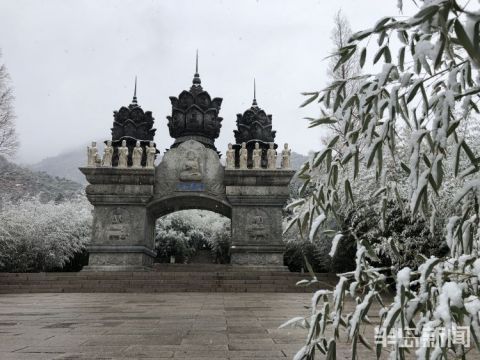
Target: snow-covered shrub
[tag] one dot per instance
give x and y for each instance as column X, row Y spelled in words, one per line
column 36, row 236
column 410, row 123
column 299, row 250
column 412, row 235
column 170, row 242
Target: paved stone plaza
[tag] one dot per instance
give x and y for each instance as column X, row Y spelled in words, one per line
column 170, row 325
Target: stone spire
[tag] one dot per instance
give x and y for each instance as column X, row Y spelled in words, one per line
column 134, row 100
column 254, row 102
column 196, row 78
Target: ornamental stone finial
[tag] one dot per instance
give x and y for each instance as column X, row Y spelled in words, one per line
column 107, row 154
column 137, row 155
column 151, row 151
column 92, row 154
column 286, row 152
column 230, row 161
column 271, row 157
column 243, row 156
column 257, row 156
column 123, row 155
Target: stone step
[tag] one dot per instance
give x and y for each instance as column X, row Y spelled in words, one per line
column 178, row 278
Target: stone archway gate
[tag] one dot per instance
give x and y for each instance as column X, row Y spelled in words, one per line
column 127, row 202
column 128, row 193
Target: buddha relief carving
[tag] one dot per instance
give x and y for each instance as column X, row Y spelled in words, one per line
column 191, row 170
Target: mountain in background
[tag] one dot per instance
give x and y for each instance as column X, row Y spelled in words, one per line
column 66, row 164
column 17, row 182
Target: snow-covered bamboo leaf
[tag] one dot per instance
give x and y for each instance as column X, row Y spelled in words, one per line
column 401, row 58
column 290, row 224
column 321, row 121
column 292, row 321
column 344, row 57
column 309, row 100
column 303, row 282
column 363, row 55
column 469, row 153
column 379, row 54
column 294, row 204
column 348, row 191
column 316, row 225
column 466, row 42
column 413, row 91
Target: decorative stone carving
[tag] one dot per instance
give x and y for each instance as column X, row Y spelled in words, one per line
column 191, row 168
column 151, row 152
column 137, row 156
column 271, row 157
column 132, row 121
column 243, row 156
column 286, row 152
column 107, row 154
column 92, row 154
column 132, row 124
column 257, row 156
column 254, row 124
column 257, row 227
column 123, row 155
column 195, row 115
column 230, row 155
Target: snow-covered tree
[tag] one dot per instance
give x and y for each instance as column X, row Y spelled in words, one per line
column 413, row 117
column 8, row 136
column 182, row 233
column 36, row 236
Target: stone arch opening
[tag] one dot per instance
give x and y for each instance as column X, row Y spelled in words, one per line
column 169, row 204
column 193, row 236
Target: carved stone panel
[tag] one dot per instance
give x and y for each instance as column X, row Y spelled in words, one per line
column 119, row 225
column 190, row 167
column 257, row 226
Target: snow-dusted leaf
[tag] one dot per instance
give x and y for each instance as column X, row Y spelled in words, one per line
column 293, row 321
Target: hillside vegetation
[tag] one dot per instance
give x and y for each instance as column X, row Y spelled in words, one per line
column 17, row 182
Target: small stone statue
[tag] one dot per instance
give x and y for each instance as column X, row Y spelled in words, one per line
column 92, row 154
column 123, row 155
column 243, row 156
column 271, row 157
column 286, row 157
column 107, row 154
column 257, row 156
column 137, row 155
column 151, row 151
column 230, row 161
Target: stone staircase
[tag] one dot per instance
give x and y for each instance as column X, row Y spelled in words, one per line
column 164, row 278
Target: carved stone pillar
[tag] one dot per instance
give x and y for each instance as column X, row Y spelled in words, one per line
column 122, row 233
column 257, row 198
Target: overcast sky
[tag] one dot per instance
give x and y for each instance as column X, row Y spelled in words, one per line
column 73, row 62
